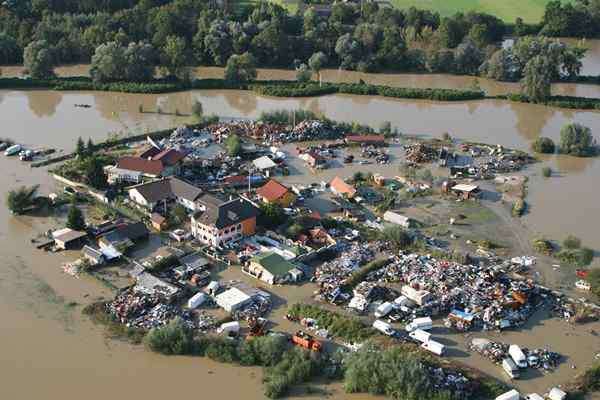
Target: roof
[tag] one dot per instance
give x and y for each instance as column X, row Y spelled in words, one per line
column 149, row 167
column 91, row 252
column 365, row 138
column 169, row 156
column 150, row 284
column 194, row 261
column 223, row 214
column 157, row 218
column 272, row 190
column 274, row 263
column 396, row 218
column 133, row 231
column 340, row 187
column 164, row 188
column 264, row 162
column 66, row 235
column 461, row 187
column 232, row 296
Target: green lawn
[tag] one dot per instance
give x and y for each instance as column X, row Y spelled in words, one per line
column 508, row 10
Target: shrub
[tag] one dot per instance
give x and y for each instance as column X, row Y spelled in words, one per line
column 398, row 237
column 233, row 145
column 577, row 140
column 21, row 199
column 358, row 275
column 296, row 366
column 572, row 242
column 518, row 207
column 175, row 338
column 543, row 145
column 543, row 246
column 265, row 351
column 546, row 172
column 222, row 350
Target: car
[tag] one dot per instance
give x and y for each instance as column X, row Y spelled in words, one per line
column 70, row 191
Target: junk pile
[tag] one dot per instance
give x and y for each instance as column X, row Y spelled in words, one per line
column 144, row 311
column 498, row 351
column 311, row 130
column 418, row 153
column 378, row 154
column 452, row 381
column 477, row 296
column 257, row 308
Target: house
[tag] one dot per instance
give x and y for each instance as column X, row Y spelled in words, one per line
column 219, row 222
column 270, row 267
column 158, row 222
column 67, row 238
column 274, row 192
column 151, row 164
column 92, row 255
column 466, row 191
column 123, row 236
column 372, row 140
column 397, row 219
column 152, row 194
column 315, row 160
column 265, row 165
column 340, row 188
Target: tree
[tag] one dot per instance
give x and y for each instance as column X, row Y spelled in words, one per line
column 10, row 53
column 233, row 145
column 80, row 147
column 179, row 214
column 175, row 338
column 316, row 62
column 19, row 200
column 271, row 215
column 499, row 66
column 303, row 74
column 546, row 172
column 398, row 237
column 537, row 80
column 75, row 219
column 577, row 140
column 90, row 147
column 174, row 56
column 240, row 68
column 108, row 62
column 38, row 60
column 543, row 145
column 467, row 58
column 197, row 111
column 572, row 242
column 94, row 173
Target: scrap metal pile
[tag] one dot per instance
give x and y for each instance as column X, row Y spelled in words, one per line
column 498, row 351
column 144, row 311
column 419, row 153
column 257, row 308
column 485, row 292
column 452, row 381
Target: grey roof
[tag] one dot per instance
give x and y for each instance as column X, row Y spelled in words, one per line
column 166, row 188
column 93, row 253
column 223, row 214
column 194, row 261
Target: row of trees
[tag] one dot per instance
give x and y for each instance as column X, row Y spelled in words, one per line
column 575, row 139
column 127, row 41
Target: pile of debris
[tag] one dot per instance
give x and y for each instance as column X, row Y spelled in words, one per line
column 451, row 381
column 418, row 153
column 311, row 130
column 498, row 351
column 259, row 306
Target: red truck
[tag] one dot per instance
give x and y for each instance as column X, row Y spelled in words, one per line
column 307, row 341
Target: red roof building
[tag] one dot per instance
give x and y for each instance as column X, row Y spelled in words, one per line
column 275, row 192
column 366, row 139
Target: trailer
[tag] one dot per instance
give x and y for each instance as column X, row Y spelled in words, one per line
column 384, row 309
column 402, row 301
column 434, row 347
column 384, row 327
column 510, row 368
column 420, row 335
column 196, row 300
column 517, row 355
column 510, row 395
column 424, row 323
column 229, row 328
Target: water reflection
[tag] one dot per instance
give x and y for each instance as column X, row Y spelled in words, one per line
column 43, row 105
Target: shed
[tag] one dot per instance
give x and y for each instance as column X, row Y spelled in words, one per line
column 232, row 299
column 158, row 221
column 557, row 394
column 93, row 255
column 265, row 165
column 466, row 191
column 397, row 219
column 270, row 267
column 68, row 238
column 196, row 300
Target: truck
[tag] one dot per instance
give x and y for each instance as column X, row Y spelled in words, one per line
column 517, row 355
column 384, row 309
column 510, row 368
column 229, row 328
column 434, row 347
column 305, row 340
column 510, row 395
column 424, row 323
column 384, row 327
column 420, row 335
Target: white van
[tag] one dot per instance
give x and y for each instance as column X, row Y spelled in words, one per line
column 434, row 347
column 424, row 323
column 384, row 309
column 384, row 327
column 517, row 355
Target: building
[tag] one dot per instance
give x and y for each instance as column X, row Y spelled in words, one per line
column 152, row 194
column 274, row 192
column 219, row 222
column 265, row 165
column 397, row 219
column 67, row 238
column 233, row 299
column 150, row 284
column 270, row 267
column 123, row 236
column 373, row 140
column 466, row 191
column 315, row 160
column 340, row 188
column 92, row 255
column 151, row 164
column 158, row 222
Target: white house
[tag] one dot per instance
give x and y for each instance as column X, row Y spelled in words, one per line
column 151, row 194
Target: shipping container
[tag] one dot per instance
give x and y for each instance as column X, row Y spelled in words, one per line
column 383, row 310
column 517, row 355
column 510, row 368
column 420, row 335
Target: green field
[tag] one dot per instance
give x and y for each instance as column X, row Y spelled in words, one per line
column 508, row 10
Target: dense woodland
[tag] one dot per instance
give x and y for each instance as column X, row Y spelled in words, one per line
column 126, row 39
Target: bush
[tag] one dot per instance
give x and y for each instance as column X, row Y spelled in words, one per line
column 233, row 145
column 518, row 208
column 175, row 338
column 398, row 237
column 98, row 314
column 287, row 117
column 296, row 366
column 358, row 275
column 222, row 350
column 572, row 242
column 576, row 140
column 543, row 145
column 543, row 246
column 265, row 351
column 20, row 200
column 546, row 172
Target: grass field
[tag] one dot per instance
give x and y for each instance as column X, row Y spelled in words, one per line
column 508, row 10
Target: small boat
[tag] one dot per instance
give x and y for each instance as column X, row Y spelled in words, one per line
column 83, row 105
column 12, row 150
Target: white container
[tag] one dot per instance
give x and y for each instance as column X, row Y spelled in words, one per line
column 196, row 300
column 424, row 323
column 384, row 309
column 510, row 368
column 557, row 394
column 533, row 396
column 402, row 301
column 510, row 395
column 434, row 347
column 420, row 335
column 229, row 328
column 517, row 355
column 383, row 327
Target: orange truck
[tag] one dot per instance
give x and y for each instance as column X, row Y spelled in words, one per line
column 307, row 341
